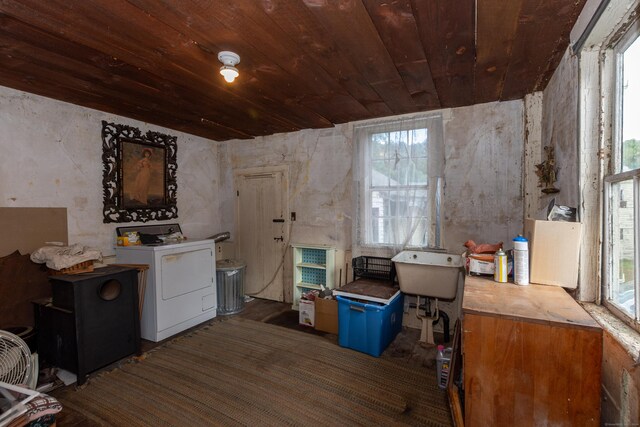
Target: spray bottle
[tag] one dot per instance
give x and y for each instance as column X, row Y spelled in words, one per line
column 520, row 261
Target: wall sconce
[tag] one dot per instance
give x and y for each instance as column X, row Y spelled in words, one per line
column 547, row 171
column 228, row 69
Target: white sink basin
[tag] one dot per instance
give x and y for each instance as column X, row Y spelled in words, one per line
column 429, row 274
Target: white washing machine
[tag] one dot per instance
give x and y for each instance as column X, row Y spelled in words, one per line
column 181, row 285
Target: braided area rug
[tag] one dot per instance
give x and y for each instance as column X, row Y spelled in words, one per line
column 243, row 372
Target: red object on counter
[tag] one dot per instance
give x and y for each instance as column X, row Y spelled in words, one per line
column 483, row 248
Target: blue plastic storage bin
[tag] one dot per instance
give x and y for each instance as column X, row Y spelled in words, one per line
column 368, row 327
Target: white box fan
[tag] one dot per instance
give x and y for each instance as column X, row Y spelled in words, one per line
column 16, row 363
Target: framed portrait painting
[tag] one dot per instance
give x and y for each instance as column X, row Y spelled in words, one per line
column 139, row 176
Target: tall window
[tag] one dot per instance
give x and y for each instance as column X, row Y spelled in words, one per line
column 400, row 170
column 622, row 188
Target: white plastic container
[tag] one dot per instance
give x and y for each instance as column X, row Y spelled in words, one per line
column 443, row 361
column 520, row 261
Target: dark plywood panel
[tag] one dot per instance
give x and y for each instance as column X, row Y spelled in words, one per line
column 305, row 64
column 101, row 74
column 398, row 29
column 349, row 22
column 182, row 52
column 316, row 42
column 447, row 32
column 158, row 49
column 541, row 39
column 497, row 23
column 211, row 29
column 272, row 53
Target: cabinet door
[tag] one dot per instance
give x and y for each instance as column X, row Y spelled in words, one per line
column 525, row 373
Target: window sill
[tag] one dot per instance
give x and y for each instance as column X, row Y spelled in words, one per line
column 628, row 337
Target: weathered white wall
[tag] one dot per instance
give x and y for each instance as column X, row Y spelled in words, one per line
column 483, row 179
column 51, row 156
column 319, row 162
column 532, row 203
column 483, row 174
column 560, row 128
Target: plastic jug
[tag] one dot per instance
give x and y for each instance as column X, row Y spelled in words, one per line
column 443, row 361
column 520, row 261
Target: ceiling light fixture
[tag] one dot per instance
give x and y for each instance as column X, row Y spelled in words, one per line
column 228, row 69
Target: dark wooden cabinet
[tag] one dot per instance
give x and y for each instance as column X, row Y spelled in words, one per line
column 91, row 321
column 531, row 354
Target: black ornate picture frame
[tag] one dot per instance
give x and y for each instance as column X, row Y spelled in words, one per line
column 140, row 174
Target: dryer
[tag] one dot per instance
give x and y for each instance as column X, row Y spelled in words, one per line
column 181, row 285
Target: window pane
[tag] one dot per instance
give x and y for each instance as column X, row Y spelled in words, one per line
column 390, row 203
column 419, row 236
column 398, row 200
column 631, row 108
column 394, row 138
column 404, row 171
column 384, row 231
column 399, row 144
column 621, row 244
column 378, row 208
column 419, row 143
column 419, row 172
column 379, row 145
column 382, row 173
column 419, row 203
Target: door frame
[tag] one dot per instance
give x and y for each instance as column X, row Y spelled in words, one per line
column 260, row 170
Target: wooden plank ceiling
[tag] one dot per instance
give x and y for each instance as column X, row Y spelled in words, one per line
column 304, row 63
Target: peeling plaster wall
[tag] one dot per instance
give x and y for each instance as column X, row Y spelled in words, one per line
column 483, row 178
column 319, row 162
column 560, row 128
column 52, row 157
column 483, row 174
column 620, row 374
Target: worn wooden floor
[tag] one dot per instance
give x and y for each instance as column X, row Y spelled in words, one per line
column 405, row 349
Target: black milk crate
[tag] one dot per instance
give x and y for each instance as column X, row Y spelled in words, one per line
column 372, row 267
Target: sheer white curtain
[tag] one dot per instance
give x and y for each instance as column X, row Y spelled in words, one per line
column 398, row 176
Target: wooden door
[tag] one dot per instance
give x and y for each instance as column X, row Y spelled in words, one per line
column 262, row 238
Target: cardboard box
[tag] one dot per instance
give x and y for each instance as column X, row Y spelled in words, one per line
column 554, row 250
column 306, row 310
column 478, row 266
column 327, row 315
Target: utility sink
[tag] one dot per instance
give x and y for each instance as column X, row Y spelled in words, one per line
column 428, row 274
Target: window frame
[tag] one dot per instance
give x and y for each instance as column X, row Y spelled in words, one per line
column 432, row 216
column 612, row 66
column 607, row 301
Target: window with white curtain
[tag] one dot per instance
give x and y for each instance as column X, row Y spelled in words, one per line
column 622, row 185
column 399, row 170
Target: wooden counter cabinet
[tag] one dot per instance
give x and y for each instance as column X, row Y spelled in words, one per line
column 532, row 356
